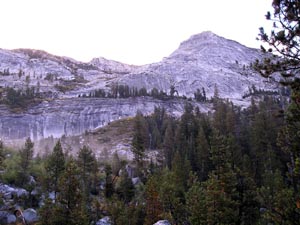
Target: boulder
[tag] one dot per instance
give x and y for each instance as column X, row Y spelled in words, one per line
column 30, row 215
column 7, row 217
column 162, row 222
column 104, row 221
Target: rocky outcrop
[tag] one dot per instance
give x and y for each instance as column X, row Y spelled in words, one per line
column 30, row 215
column 8, row 193
column 74, row 116
column 111, row 66
column 104, row 221
column 162, row 222
column 205, row 61
column 6, row 217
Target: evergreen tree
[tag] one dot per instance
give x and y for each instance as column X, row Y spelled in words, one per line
column 116, row 164
column 154, row 207
column 278, row 201
column 172, row 198
column 70, row 207
column 126, row 188
column 202, row 155
column 87, row 163
column 248, row 196
column 284, row 39
column 55, row 166
column 168, row 145
column 221, row 187
column 172, row 91
column 2, row 155
column 26, row 160
column 109, row 182
column 196, row 204
column 139, row 141
column 289, row 139
column 46, row 213
column 186, row 134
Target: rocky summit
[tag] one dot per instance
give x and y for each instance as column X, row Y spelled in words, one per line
column 204, row 62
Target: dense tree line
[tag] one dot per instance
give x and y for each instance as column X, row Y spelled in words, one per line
column 125, row 91
column 229, row 166
column 224, row 168
column 20, row 99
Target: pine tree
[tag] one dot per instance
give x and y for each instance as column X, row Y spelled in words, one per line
column 168, row 145
column 172, row 198
column 87, row 163
column 196, row 204
column 70, row 205
column 289, row 139
column 248, row 196
column 116, row 164
column 154, row 207
column 202, row 155
column 46, row 213
column 2, row 155
column 139, row 141
column 26, row 160
column 109, row 182
column 186, row 134
column 278, row 200
column 55, row 166
column 126, row 188
column 284, row 40
column 221, row 187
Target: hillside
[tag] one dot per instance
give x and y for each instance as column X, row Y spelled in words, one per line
column 204, row 63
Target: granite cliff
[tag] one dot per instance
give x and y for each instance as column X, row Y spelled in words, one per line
column 205, row 61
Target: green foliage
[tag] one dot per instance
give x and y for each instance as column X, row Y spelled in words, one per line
column 11, row 164
column 278, row 201
column 139, row 140
column 109, row 182
column 18, row 165
column 70, row 198
column 88, row 167
column 283, row 39
column 125, row 189
column 200, row 96
column 21, row 99
column 122, row 213
column 196, row 204
column 231, row 166
column 154, row 207
column 55, row 166
column 2, row 155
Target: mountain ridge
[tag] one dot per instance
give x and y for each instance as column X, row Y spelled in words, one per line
column 205, row 62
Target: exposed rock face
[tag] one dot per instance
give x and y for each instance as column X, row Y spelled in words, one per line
column 203, row 61
column 112, row 66
column 75, row 116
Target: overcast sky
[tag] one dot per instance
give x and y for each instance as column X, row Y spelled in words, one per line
column 131, row 31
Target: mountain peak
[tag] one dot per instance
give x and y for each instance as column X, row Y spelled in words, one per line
column 203, row 35
column 202, row 39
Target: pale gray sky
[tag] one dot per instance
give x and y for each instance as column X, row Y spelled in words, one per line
column 131, row 31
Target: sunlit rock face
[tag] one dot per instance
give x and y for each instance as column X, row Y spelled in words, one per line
column 75, row 116
column 205, row 61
